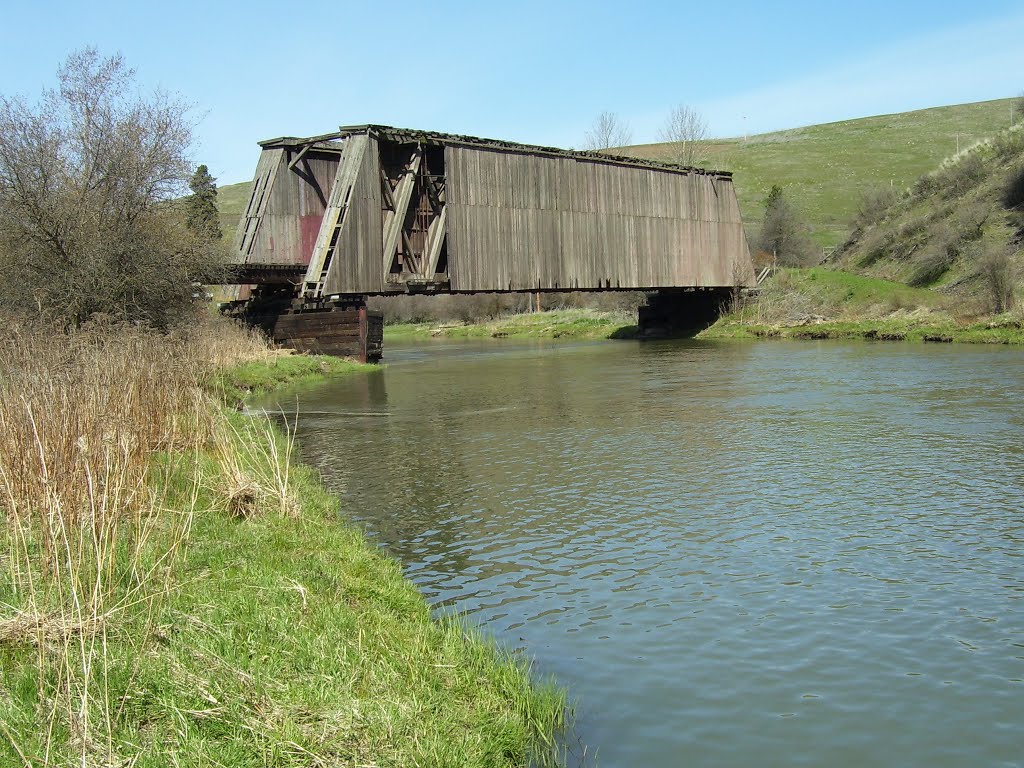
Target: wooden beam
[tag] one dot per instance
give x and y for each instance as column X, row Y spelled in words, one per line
column 435, row 237
column 298, row 158
column 385, row 190
column 334, row 216
column 394, row 220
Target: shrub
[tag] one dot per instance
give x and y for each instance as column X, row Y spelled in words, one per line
column 910, row 236
column 874, row 206
column 932, row 265
column 86, row 176
column 1008, row 145
column 961, row 176
column 969, row 221
column 873, row 248
column 926, row 185
column 1013, row 193
column 947, row 241
column 998, row 275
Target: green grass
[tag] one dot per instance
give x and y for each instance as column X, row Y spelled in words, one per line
column 823, row 303
column 835, row 290
column 231, row 202
column 878, row 329
column 292, row 641
column 284, row 639
column 237, row 383
column 554, row 324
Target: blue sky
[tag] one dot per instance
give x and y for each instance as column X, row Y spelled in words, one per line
column 536, row 72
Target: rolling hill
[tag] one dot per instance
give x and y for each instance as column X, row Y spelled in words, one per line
column 823, row 169
column 953, row 228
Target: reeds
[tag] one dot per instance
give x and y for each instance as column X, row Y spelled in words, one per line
column 276, row 641
column 101, row 430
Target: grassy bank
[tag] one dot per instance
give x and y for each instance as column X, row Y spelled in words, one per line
column 175, row 591
column 555, row 324
column 253, row 377
column 824, row 303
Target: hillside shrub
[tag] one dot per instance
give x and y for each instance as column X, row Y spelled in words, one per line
column 1008, row 145
column 931, row 265
column 969, row 221
column 926, row 186
column 874, row 206
column 998, row 275
column 908, row 238
column 947, row 241
column 873, row 248
column 961, row 176
column 1013, row 193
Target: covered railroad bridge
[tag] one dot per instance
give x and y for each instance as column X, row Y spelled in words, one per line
column 373, row 210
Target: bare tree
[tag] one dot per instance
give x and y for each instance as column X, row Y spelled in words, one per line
column 607, row 131
column 86, row 180
column 685, row 132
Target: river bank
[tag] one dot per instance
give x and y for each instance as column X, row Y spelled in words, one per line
column 816, row 303
column 185, row 592
column 552, row 324
column 822, row 303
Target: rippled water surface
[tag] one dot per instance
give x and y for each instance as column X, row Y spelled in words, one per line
column 735, row 554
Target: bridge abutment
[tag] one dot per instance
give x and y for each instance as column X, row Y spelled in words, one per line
column 342, row 328
column 680, row 312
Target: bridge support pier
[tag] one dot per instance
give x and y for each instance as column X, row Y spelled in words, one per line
column 340, row 328
column 683, row 312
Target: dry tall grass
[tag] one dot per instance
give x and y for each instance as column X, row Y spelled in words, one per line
column 100, row 432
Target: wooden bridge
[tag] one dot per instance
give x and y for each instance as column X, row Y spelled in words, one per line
column 373, row 210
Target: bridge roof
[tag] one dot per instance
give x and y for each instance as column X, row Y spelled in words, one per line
column 330, row 142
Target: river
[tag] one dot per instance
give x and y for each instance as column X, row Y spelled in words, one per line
column 772, row 554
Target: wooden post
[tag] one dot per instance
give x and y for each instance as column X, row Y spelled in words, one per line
column 362, row 333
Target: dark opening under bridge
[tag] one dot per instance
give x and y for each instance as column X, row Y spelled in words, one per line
column 372, row 210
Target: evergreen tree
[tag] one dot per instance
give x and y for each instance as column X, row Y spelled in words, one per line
column 201, row 213
column 783, row 234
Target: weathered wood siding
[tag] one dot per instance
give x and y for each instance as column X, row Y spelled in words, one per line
column 286, row 206
column 358, row 263
column 518, row 221
column 357, row 333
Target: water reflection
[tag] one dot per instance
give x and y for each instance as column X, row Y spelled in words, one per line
column 773, row 554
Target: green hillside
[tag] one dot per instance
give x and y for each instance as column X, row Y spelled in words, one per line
column 940, row 260
column 231, row 201
column 953, row 227
column 823, row 169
